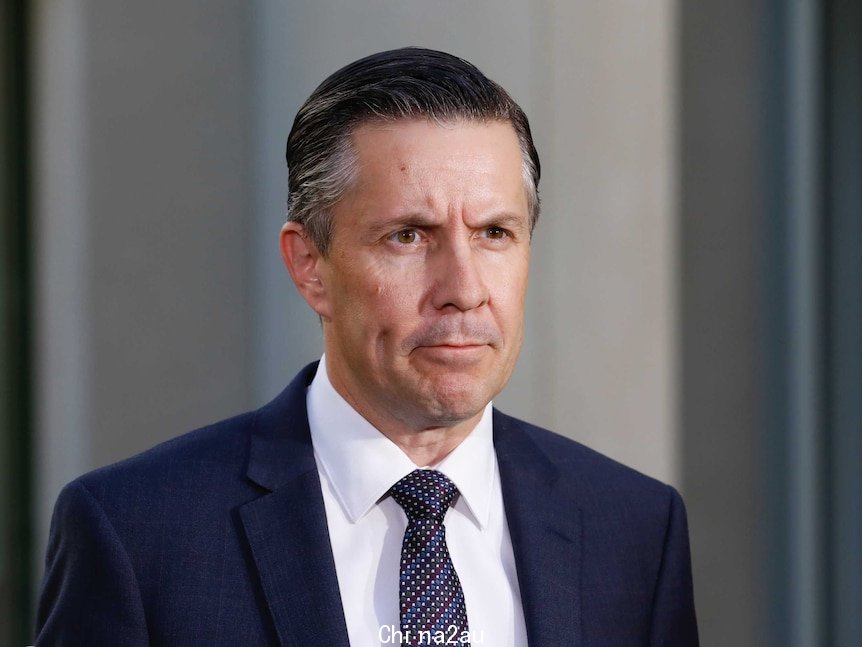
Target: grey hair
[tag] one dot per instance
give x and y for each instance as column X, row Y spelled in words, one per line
column 408, row 83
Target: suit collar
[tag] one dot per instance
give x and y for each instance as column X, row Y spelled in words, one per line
column 286, row 527
column 280, row 447
column 362, row 464
column 545, row 526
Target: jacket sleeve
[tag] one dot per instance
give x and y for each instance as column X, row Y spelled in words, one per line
column 673, row 618
column 90, row 593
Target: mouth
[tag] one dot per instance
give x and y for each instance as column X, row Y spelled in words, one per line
column 454, row 353
column 454, row 336
column 460, row 345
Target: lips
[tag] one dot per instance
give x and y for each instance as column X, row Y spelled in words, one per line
column 453, row 356
column 455, row 334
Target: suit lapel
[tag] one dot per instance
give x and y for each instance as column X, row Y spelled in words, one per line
column 545, row 526
column 286, row 528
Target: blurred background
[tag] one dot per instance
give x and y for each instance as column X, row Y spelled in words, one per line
column 695, row 307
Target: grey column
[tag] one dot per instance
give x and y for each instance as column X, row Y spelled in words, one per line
column 721, row 393
column 143, row 221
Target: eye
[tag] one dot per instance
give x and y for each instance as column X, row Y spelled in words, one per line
column 496, row 233
column 405, row 236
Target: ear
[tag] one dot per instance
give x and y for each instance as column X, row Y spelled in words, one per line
column 303, row 261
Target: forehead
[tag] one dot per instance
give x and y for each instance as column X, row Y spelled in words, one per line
column 429, row 136
column 460, row 158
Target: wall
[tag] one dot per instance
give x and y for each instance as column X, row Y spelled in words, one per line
column 141, row 192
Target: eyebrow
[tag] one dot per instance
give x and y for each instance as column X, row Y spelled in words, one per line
column 505, row 219
column 411, row 219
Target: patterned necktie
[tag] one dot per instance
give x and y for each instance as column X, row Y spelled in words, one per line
column 432, row 602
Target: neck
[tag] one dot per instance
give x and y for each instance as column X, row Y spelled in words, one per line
column 426, row 442
column 429, row 446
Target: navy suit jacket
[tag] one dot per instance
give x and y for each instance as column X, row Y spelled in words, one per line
column 219, row 537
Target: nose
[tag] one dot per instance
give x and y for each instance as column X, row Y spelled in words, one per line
column 460, row 280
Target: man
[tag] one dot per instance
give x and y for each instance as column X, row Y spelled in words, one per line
column 380, row 499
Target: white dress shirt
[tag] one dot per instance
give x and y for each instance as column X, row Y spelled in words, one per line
column 357, row 466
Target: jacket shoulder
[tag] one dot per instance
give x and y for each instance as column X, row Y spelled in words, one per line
column 220, row 446
column 597, row 473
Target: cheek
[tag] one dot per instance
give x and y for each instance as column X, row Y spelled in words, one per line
column 377, row 300
column 395, row 286
column 508, row 278
column 510, row 291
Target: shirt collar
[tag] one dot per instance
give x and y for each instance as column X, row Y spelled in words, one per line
column 362, row 464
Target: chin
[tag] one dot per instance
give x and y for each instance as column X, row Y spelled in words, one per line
column 451, row 404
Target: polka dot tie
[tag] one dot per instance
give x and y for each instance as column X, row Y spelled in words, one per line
column 432, row 602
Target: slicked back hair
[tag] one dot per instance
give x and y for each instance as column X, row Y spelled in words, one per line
column 408, row 83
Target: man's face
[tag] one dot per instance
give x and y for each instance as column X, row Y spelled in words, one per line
column 425, row 280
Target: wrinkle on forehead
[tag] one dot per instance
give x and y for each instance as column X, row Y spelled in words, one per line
column 480, row 162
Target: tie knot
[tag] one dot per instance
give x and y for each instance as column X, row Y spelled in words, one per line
column 424, row 493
